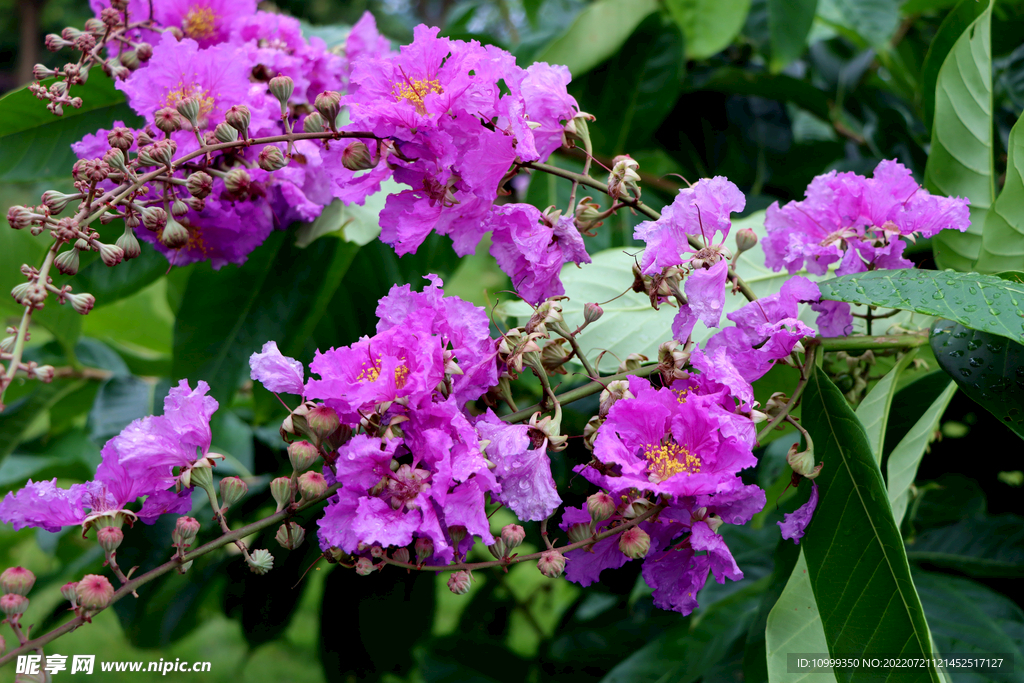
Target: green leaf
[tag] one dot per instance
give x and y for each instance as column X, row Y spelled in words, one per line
column 755, row 660
column 981, row 302
column 1002, row 242
column 855, row 558
column 119, row 401
column 961, row 160
column 596, row 34
column 794, row 625
column 736, row 81
column 988, row 368
column 873, row 411
column 109, row 285
column 709, row 25
column 36, row 145
column 905, row 458
column 357, row 224
column 952, row 27
column 789, row 22
column 874, row 21
column 19, row 418
column 985, row 546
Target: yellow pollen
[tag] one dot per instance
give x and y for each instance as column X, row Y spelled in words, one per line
column 681, row 394
column 370, row 372
column 669, row 459
column 183, row 91
column 200, row 22
column 415, row 91
column 195, row 241
column 401, row 372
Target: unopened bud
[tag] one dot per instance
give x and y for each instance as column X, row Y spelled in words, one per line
column 82, row 303
column 144, row 51
column 120, row 138
column 238, row 117
column 551, row 564
column 67, row 261
column 111, row 254
column 17, row 580
column 129, row 244
column 56, row 201
column 401, row 555
column 615, row 391
column 154, row 218
column 189, row 108
column 281, row 490
column 44, row 373
column 356, row 157
column 322, row 421
column 70, row 592
column 312, row 485
column 109, row 538
column 580, row 532
column 745, row 239
column 302, row 455
column 94, row 592
column 424, row 548
column 459, row 582
column 328, row 103
column 592, row 313
column 802, row 462
column 184, row 534
column 13, row 605
column 167, row 120
column 199, row 184
column 634, row 543
column 41, row 72
column 178, row 208
column 174, row 235
column 365, row 566
column 225, row 133
column 130, row 60
column 281, row 87
column 601, row 506
column 314, row 123
column 271, row 159
column 290, row 536
column 237, row 181
column 232, row 490
column 632, row 363
column 261, row 561
column 457, row 533
column 512, row 535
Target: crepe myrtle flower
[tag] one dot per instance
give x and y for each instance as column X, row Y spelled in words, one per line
column 277, row 372
column 207, row 22
column 524, row 473
column 794, row 524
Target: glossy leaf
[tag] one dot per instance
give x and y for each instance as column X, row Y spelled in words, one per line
column 952, row 27
column 1002, row 243
column 981, row 302
column 20, row 416
column 873, row 411
column 873, row 21
column 755, row 660
column 855, row 558
column 984, row 546
column 901, row 468
column 596, row 34
column 988, row 368
column 961, row 159
column 789, row 23
column 795, row 625
column 709, row 25
column 110, row 285
column 119, row 401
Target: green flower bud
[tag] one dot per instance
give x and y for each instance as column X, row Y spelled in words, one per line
column 225, row 133
column 551, row 564
column 314, row 123
column 199, row 184
column 580, row 532
column 82, row 303
column 261, row 561
column 356, row 157
column 174, row 235
column 237, row 181
column 634, row 543
column 70, row 592
column 184, row 534
column 17, row 580
column 459, row 582
column 238, row 117
column 167, row 120
column 154, row 218
column 271, row 159
column 312, row 485
column 281, row 490
column 328, row 103
column 424, row 549
column 67, row 261
column 189, row 108
column 281, row 87
column 129, row 244
column 290, row 536
column 512, row 535
column 232, row 490
column 601, row 506
column 302, row 455
column 94, row 592
column 745, row 239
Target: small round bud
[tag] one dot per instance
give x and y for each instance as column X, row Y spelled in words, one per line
column 745, row 239
column 457, row 532
column 512, row 535
column 281, row 490
column 154, row 218
column 67, row 261
column 262, row 561
column 144, row 51
column 56, row 201
column 356, row 157
column 109, row 538
column 634, row 543
column 130, row 60
column 94, row 592
column 19, row 217
column 225, row 133
column 184, row 534
column 129, row 244
column 174, row 235
column 551, row 564
column 82, row 303
column 601, row 506
column 328, row 103
column 111, row 254
column 13, row 605
column 401, row 555
column 322, row 421
column 41, row 72
column 237, row 181
column 459, row 582
column 163, row 151
column 290, row 536
column 302, row 455
column 314, row 123
column 70, row 592
column 199, row 184
column 189, row 108
column 178, row 208
column 167, row 120
column 17, row 580
column 802, row 462
column 44, row 373
column 114, row 158
column 281, row 87
column 592, row 313
column 238, row 117
column 424, row 548
column 365, row 566
column 580, row 532
column 232, row 490
column 85, row 42
column 312, row 485
column 271, row 159
column 55, row 43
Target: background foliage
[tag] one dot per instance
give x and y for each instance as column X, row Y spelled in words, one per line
column 767, row 92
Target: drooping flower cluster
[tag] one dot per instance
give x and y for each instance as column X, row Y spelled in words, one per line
column 857, row 222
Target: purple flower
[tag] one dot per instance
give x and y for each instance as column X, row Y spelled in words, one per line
column 527, row 486
column 548, row 104
column 44, row 505
column 795, row 523
column 705, row 291
column 276, row 372
column 206, row 21
column 835, row 319
column 532, row 250
column 676, row 576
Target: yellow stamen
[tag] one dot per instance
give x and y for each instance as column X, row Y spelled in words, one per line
column 199, row 23
column 184, row 91
column 669, row 459
column 415, row 91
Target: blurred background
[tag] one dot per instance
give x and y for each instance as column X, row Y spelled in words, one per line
column 769, row 93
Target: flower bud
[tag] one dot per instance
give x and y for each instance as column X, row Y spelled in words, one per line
column 592, row 313
column 365, row 566
column 237, row 181
column 238, row 117
column 130, row 60
column 745, row 239
column 225, row 133
column 195, row 203
column 129, row 244
column 174, row 235
column 328, row 103
column 115, row 159
column 356, row 157
column 144, row 51
column 67, row 261
column 312, row 485
column 120, row 138
column 111, row 254
column 20, row 217
column 271, row 159
column 94, row 592
column 189, row 108
column 199, row 184
column 184, row 534
column 636, row 507
column 41, row 72
column 551, row 564
column 178, row 208
column 401, row 555
column 232, row 490
column 13, row 605
column 70, row 592
column 281, row 490
column 314, row 123
column 802, row 462
column 424, row 548
column 457, row 533
column 82, row 303
column 634, row 543
column 17, row 580
column 261, row 561
column 619, row 389
column 290, row 536
column 601, row 506
column 459, row 582
column 281, row 87
column 154, row 218
column 580, row 532
column 512, row 535
column 163, row 151
column 167, row 120
column 498, row 549
column 44, row 373
column 54, row 43
column 322, row 422
column 109, row 538
column 56, row 201
column 302, row 455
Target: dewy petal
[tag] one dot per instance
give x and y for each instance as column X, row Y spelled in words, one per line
column 165, row 503
column 277, row 372
column 584, row 566
column 795, row 523
column 723, row 565
column 527, row 486
column 705, row 290
column 835, row 319
column 44, row 505
column 676, row 577
column 189, row 412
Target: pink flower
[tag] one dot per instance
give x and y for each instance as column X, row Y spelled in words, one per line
column 207, row 22
column 277, row 372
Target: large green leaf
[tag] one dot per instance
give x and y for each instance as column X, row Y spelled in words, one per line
column 901, row 467
column 36, row 145
column 855, row 558
column 988, row 368
column 597, row 33
column 873, row 21
column 1002, row 243
column 986, row 546
column 873, row 411
column 952, row 27
column 736, row 81
column 21, row 417
column 755, row 660
column 709, row 25
column 789, row 22
column 981, row 302
column 961, row 161
column 794, row 625
column 129, row 277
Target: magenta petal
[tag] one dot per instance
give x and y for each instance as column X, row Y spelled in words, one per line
column 705, row 290
column 584, row 566
column 165, row 503
column 723, row 566
column 277, row 372
column 795, row 523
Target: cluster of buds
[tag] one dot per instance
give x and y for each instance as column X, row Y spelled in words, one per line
column 15, row 583
column 624, row 178
column 317, row 423
column 512, row 536
column 659, row 287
